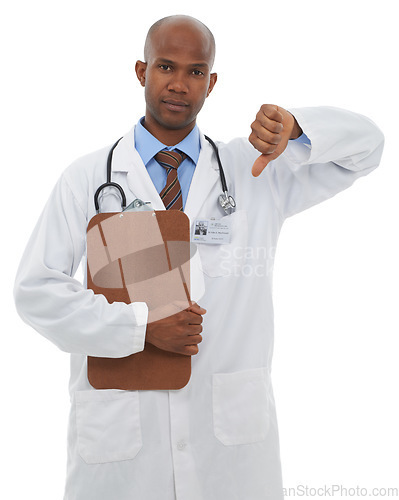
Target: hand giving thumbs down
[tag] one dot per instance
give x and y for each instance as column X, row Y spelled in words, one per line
column 271, row 131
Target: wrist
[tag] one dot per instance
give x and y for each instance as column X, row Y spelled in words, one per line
column 296, row 130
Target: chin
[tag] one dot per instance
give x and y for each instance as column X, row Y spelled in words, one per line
column 175, row 125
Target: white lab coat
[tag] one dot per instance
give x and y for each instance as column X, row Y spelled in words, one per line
column 216, row 438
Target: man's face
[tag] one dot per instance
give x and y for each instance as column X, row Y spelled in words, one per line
column 176, row 77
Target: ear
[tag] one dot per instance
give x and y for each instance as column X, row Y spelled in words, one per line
column 212, row 82
column 140, row 69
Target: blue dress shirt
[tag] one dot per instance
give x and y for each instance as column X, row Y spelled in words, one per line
column 148, row 146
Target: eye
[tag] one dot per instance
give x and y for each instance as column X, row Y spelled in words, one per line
column 164, row 67
column 197, row 72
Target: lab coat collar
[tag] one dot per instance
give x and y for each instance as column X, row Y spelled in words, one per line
column 206, row 174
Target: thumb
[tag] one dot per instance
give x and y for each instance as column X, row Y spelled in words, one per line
column 196, row 308
column 261, row 163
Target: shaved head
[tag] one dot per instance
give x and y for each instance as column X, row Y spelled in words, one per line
column 171, row 22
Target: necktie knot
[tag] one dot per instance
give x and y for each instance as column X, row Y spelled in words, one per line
column 170, row 159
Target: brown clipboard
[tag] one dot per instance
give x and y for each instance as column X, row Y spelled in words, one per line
column 140, row 257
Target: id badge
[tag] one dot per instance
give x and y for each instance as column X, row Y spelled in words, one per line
column 211, row 231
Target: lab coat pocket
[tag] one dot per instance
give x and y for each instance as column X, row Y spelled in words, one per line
column 108, row 425
column 241, row 406
column 227, row 259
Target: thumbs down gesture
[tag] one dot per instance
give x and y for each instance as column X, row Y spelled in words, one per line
column 272, row 129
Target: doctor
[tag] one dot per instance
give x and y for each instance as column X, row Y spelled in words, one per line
column 217, row 438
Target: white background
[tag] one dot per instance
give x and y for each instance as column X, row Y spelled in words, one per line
column 68, row 88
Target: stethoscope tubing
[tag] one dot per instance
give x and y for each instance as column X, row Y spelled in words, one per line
column 221, row 171
column 109, row 183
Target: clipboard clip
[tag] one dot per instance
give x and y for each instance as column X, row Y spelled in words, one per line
column 138, row 205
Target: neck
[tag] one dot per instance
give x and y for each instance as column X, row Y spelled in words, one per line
column 169, row 137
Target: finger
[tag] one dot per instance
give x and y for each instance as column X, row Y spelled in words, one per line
column 263, row 133
column 261, row 145
column 272, row 112
column 275, row 126
column 195, row 308
column 261, row 163
column 194, row 340
column 195, row 319
column 194, row 330
column 190, row 350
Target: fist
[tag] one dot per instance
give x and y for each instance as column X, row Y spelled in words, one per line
column 179, row 332
column 271, row 131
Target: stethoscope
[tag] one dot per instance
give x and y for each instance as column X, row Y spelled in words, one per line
column 226, row 201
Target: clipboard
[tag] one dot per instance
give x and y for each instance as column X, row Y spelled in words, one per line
column 141, row 256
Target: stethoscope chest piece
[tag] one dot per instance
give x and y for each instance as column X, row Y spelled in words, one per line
column 227, row 202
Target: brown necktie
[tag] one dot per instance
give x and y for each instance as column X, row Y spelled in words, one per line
column 171, row 193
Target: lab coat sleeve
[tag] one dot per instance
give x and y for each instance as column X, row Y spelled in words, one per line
column 344, row 146
column 50, row 300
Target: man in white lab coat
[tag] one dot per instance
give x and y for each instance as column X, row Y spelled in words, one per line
column 217, row 438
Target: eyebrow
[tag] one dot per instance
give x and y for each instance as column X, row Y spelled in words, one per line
column 168, row 61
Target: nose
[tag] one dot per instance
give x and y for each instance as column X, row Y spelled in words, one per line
column 177, row 83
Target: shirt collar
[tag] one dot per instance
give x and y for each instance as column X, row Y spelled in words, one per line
column 148, row 146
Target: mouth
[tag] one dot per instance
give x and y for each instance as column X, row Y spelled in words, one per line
column 173, row 105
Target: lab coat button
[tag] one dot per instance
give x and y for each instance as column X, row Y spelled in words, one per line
column 181, row 445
